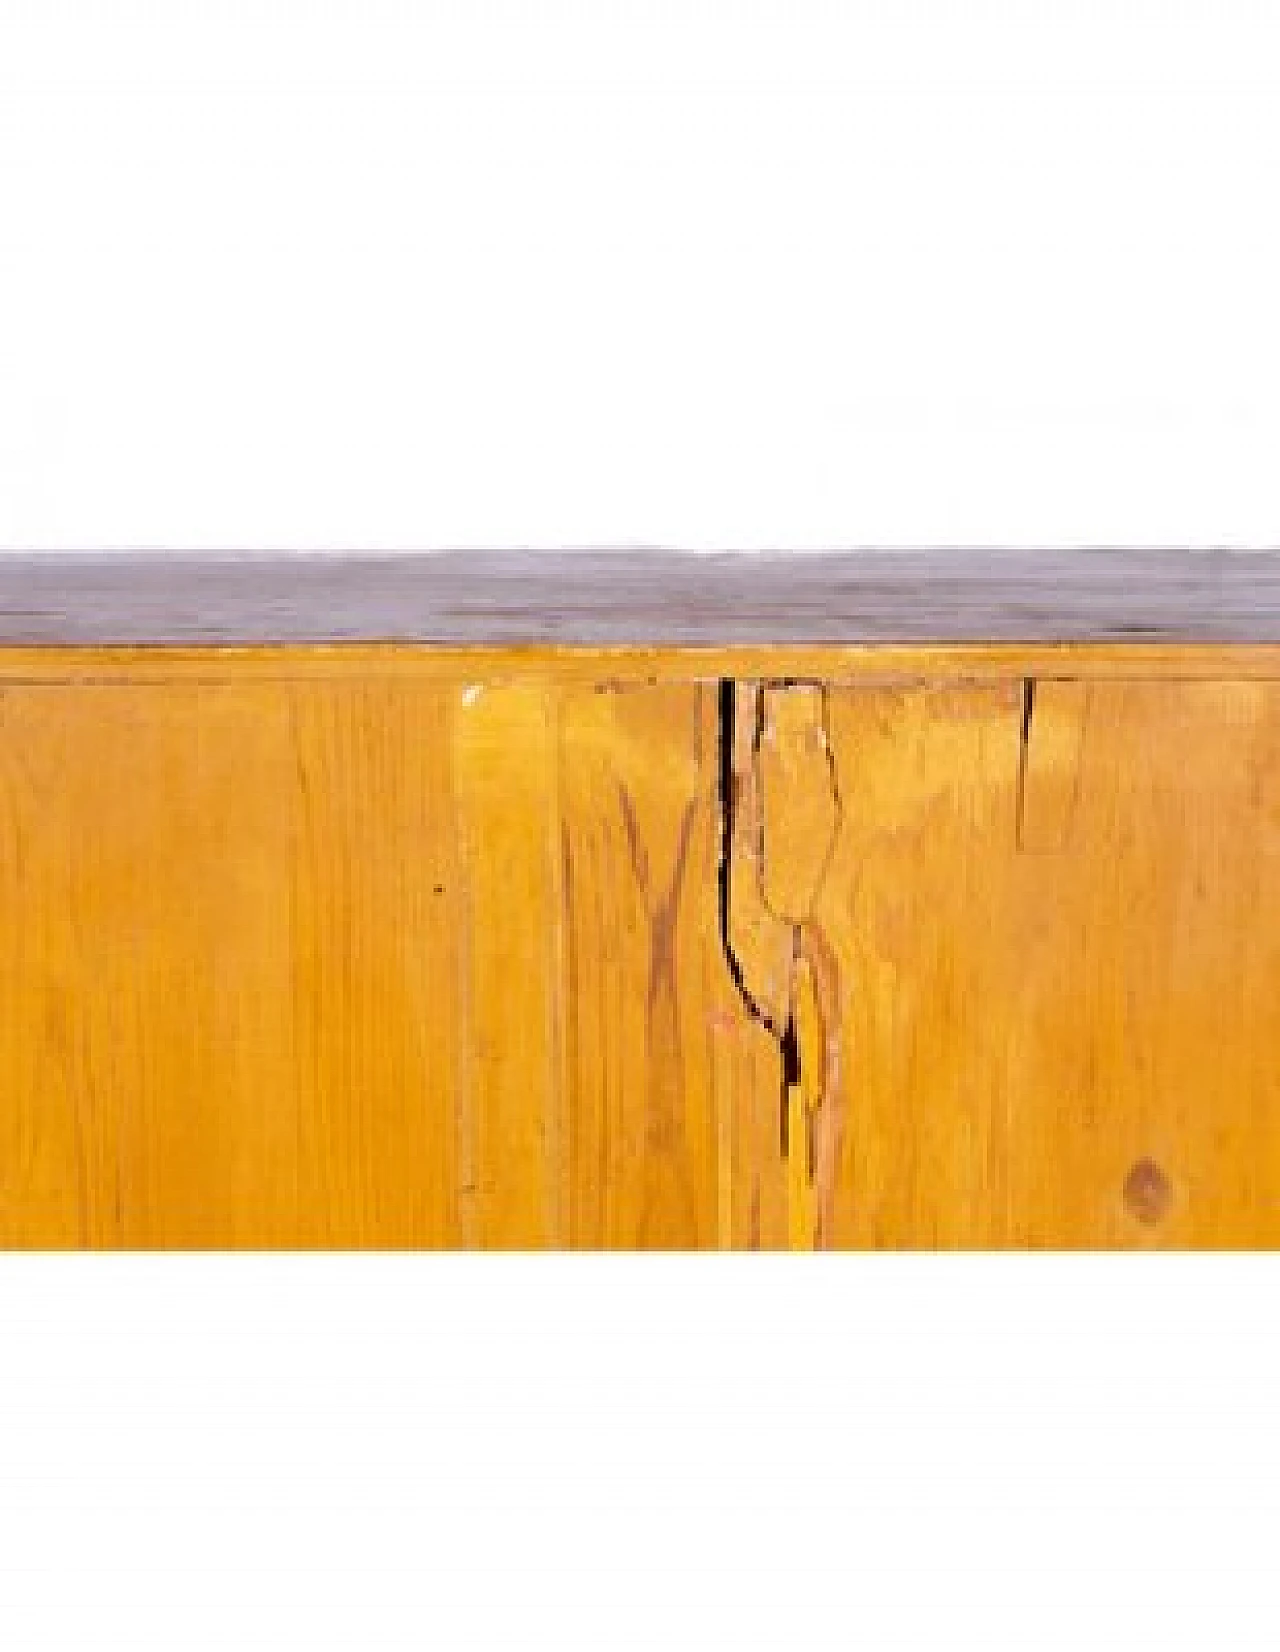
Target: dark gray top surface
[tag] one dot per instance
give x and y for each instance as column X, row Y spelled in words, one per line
column 640, row 596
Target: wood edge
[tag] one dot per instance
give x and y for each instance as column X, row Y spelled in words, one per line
column 853, row 664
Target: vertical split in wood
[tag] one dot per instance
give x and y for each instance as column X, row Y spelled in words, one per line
column 1054, row 718
column 781, row 819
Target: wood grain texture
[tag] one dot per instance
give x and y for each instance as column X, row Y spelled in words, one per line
column 1032, row 1038
column 443, row 951
column 672, row 1090
column 147, row 1092
column 374, row 884
column 511, row 1081
column 928, row 781
column 1150, row 1059
column 889, row 665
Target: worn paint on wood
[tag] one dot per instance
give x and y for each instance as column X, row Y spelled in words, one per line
column 436, row 953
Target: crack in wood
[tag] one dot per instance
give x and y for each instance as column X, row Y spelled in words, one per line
column 790, row 727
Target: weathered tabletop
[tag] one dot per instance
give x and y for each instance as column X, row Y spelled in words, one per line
column 658, row 597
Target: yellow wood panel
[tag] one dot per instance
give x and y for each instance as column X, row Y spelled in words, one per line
column 375, row 913
column 1065, row 1048
column 146, row 1052
column 417, row 955
column 673, row 1090
column 1139, row 1005
column 928, row 789
column 512, row 1153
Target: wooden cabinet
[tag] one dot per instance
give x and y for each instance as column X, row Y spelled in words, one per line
column 850, row 946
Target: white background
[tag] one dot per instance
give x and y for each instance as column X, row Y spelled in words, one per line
column 781, row 275
column 749, row 274
column 1008, row 1454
